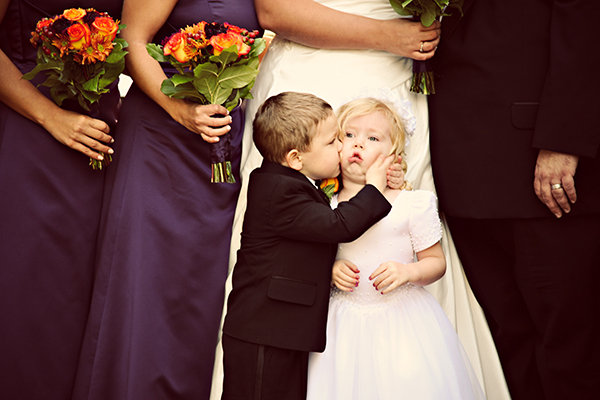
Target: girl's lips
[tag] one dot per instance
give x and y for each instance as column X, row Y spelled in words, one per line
column 355, row 157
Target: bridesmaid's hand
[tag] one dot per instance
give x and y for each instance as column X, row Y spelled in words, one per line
column 344, row 275
column 79, row 132
column 410, row 38
column 200, row 119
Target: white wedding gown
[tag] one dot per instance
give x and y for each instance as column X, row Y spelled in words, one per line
column 338, row 76
column 399, row 345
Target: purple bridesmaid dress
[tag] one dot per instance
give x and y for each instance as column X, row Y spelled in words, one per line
column 50, row 202
column 163, row 247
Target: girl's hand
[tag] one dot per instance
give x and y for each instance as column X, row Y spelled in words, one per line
column 395, row 175
column 200, row 119
column 389, row 275
column 344, row 275
column 79, row 132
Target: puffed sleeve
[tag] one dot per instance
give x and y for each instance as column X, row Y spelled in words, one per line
column 424, row 222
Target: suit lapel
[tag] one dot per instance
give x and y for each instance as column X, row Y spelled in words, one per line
column 324, row 196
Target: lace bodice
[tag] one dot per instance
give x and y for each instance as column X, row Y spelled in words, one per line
column 412, row 225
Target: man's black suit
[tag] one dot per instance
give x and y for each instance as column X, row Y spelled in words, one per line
column 514, row 77
column 281, row 280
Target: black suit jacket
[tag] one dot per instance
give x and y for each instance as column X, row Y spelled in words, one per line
column 281, row 280
column 513, row 77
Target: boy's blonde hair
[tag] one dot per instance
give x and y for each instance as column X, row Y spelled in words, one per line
column 288, row 121
column 369, row 105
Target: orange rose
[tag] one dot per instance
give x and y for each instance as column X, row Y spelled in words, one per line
column 333, row 182
column 74, row 14
column 234, row 29
column 178, row 48
column 225, row 40
column 106, row 27
column 79, row 36
column 44, row 22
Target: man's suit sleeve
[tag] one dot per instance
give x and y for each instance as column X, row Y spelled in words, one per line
column 300, row 217
column 568, row 116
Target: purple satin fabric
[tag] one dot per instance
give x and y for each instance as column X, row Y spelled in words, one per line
column 163, row 250
column 50, row 201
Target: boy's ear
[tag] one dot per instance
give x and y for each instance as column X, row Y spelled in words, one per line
column 293, row 158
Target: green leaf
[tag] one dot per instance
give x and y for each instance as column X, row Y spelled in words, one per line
column 227, row 56
column 59, row 94
column 179, row 79
column 50, row 65
column 111, row 73
column 156, row 52
column 245, row 91
column 205, row 69
column 257, row 47
column 85, row 104
column 237, row 77
column 116, row 56
column 233, row 101
column 253, row 63
column 398, row 8
column 430, row 13
column 212, row 90
column 92, row 84
column 91, row 97
column 185, row 91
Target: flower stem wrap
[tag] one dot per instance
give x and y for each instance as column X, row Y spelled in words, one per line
column 422, row 78
column 220, row 159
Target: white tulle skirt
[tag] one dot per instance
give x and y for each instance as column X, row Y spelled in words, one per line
column 400, row 347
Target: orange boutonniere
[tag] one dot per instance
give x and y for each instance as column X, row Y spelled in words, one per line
column 330, row 186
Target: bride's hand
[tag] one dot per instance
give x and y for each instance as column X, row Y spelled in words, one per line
column 395, row 175
column 410, row 38
column 200, row 119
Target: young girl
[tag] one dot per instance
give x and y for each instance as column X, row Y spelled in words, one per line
column 387, row 337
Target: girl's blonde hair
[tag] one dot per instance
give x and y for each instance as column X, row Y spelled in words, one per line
column 369, row 105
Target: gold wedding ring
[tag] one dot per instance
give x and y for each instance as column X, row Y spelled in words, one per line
column 556, row 186
column 421, row 48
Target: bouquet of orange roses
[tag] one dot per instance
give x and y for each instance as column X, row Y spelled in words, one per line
column 81, row 55
column 217, row 64
column 426, row 11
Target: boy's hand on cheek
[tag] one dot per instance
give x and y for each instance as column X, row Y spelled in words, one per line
column 376, row 174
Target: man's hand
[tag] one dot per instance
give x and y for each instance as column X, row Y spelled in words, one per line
column 554, row 182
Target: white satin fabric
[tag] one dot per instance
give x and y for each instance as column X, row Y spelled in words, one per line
column 338, row 76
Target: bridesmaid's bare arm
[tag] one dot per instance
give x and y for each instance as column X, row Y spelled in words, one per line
column 143, row 19
column 77, row 131
column 313, row 24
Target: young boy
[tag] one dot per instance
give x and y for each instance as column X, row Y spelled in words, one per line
column 277, row 310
